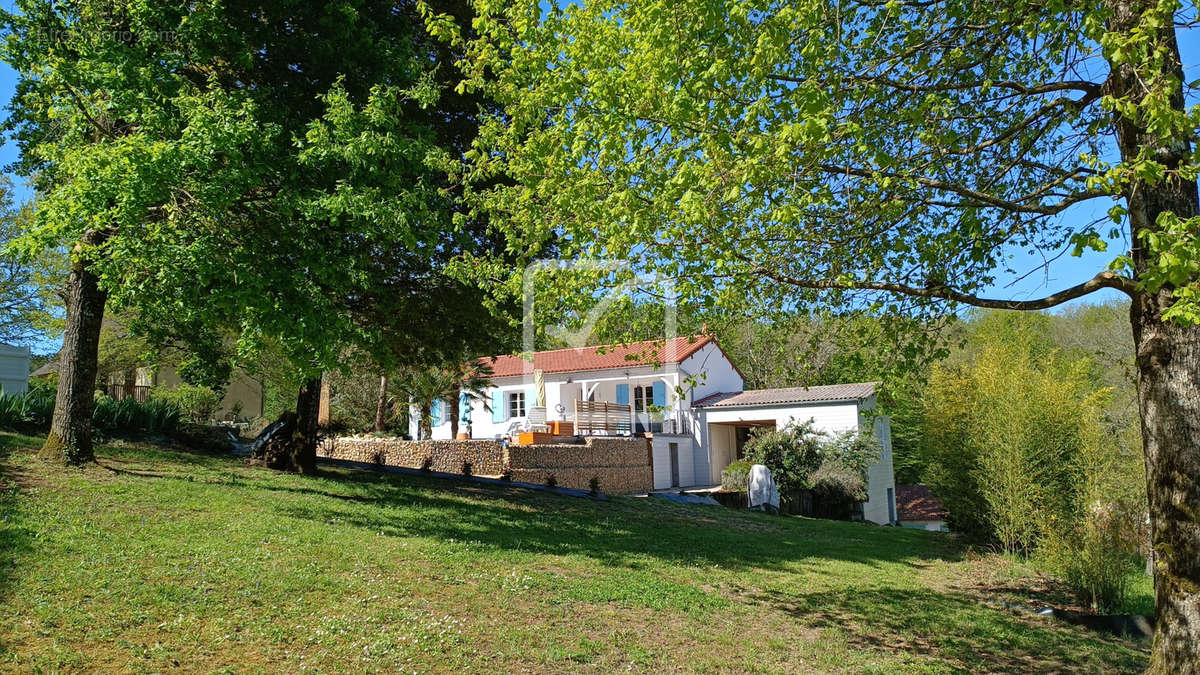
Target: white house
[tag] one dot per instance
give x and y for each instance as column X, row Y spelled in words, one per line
column 14, row 369
column 685, row 393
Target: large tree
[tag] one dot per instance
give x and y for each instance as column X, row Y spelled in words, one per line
column 886, row 156
column 233, row 168
column 29, row 285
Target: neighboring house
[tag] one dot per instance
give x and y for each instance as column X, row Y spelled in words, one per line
column 243, row 395
column 919, row 509
column 685, row 394
column 14, row 369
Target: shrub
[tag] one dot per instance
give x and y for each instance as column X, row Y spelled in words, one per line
column 467, row 468
column 1005, row 435
column 735, row 477
column 594, row 485
column 835, row 481
column 507, row 474
column 1090, row 558
column 196, row 404
column 30, row 411
column 791, row 453
column 795, row 453
column 551, row 481
column 127, row 415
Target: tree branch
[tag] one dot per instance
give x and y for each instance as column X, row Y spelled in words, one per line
column 1106, row 279
column 1015, row 206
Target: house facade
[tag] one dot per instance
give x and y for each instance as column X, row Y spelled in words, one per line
column 243, row 396
column 684, row 393
column 14, row 369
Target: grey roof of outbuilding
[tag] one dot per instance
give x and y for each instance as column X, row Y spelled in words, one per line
column 831, row 392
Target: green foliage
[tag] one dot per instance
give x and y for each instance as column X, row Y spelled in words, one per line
column 791, row 453
column 1024, row 452
column 795, row 453
column 1003, row 435
column 836, row 482
column 128, row 416
column 28, row 412
column 28, row 282
column 1095, row 555
column 254, row 177
column 735, row 477
column 196, row 404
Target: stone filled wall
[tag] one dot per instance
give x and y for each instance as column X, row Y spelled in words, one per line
column 622, row 465
column 486, row 457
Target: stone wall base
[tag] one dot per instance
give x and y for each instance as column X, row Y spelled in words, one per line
column 621, row 465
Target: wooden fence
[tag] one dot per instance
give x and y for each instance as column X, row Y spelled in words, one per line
column 140, row 392
column 592, row 416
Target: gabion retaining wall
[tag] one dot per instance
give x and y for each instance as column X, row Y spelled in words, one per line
column 621, row 465
column 486, row 457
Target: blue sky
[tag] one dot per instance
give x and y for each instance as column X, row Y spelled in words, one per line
column 1034, row 279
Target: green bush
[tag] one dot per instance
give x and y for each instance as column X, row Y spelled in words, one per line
column 1090, row 557
column 1006, row 435
column 196, row 404
column 791, row 453
column 127, row 415
column 736, row 476
column 836, row 481
column 28, row 412
column 795, row 453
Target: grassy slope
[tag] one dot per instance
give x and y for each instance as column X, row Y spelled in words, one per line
column 160, row 559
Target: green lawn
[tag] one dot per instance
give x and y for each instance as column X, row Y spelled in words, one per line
column 159, row 559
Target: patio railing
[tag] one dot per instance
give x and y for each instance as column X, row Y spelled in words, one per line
column 593, row 416
column 140, row 392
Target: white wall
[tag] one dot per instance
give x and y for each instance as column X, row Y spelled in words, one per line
column 713, row 374
column 14, row 369
column 660, row 448
column 830, row 417
column 880, row 475
column 558, row 391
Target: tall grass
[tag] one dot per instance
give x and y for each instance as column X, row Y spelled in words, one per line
column 116, row 416
column 28, row 412
column 31, row 412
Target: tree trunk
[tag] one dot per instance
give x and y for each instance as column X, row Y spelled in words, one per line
column 454, row 411
column 304, row 442
column 425, row 424
column 130, row 384
column 70, row 438
column 1168, row 362
column 381, row 404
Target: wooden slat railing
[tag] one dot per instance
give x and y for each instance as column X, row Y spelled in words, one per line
column 591, row 416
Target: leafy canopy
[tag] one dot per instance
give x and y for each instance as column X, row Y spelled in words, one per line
column 775, row 154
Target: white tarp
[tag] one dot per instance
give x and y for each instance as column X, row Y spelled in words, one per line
column 761, row 488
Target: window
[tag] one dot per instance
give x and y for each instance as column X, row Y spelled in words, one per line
column 516, row 404
column 643, row 398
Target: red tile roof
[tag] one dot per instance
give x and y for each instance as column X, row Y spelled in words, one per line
column 915, row 502
column 646, row 353
column 855, row 391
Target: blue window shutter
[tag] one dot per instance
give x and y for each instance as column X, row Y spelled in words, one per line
column 464, row 408
column 623, row 393
column 499, row 412
column 435, row 411
column 660, row 394
column 530, row 399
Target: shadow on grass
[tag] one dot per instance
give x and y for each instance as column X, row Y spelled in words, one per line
column 614, row 533
column 516, row 519
column 15, row 540
column 958, row 628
